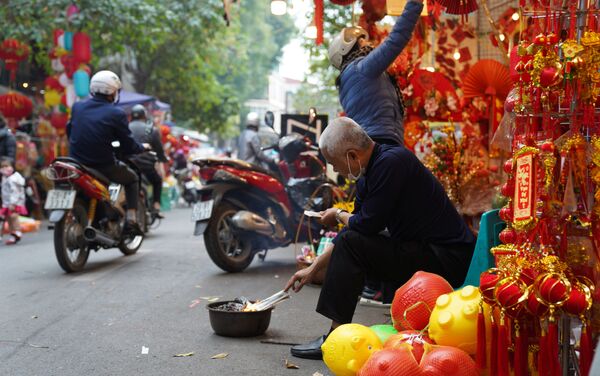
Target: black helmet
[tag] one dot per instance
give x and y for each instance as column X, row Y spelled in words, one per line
column 138, row 112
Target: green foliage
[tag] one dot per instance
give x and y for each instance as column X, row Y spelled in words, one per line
column 320, row 90
column 180, row 51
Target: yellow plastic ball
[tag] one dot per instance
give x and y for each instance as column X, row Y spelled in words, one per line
column 348, row 347
column 453, row 321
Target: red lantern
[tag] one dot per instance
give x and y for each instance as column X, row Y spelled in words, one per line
column 374, row 10
column 52, row 83
column 81, row 48
column 12, row 51
column 15, row 106
column 508, row 236
column 68, row 61
column 59, row 120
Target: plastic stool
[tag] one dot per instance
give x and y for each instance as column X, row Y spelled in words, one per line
column 489, row 229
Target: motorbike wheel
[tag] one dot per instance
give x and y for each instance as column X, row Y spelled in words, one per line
column 227, row 252
column 130, row 244
column 70, row 246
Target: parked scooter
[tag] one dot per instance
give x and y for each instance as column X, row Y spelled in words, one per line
column 88, row 213
column 245, row 209
column 187, row 185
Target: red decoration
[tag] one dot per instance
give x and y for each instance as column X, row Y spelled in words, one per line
column 374, row 10
column 465, row 55
column 59, row 120
column 56, row 34
column 447, row 361
column 15, row 106
column 70, row 64
column 414, row 338
column 463, row 7
column 508, row 236
column 414, row 301
column 553, row 290
column 342, row 2
column 535, row 307
column 82, row 48
column 577, row 303
column 12, row 51
column 52, row 83
column 487, row 283
column 319, row 21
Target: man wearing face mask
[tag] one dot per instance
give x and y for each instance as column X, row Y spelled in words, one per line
column 394, row 191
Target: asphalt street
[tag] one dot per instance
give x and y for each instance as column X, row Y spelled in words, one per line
column 131, row 315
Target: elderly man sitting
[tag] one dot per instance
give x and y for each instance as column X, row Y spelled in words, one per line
column 394, row 192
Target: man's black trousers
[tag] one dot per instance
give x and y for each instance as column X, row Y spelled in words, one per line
column 356, row 257
column 154, row 178
column 120, row 173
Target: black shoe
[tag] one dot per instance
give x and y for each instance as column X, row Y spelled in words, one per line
column 369, row 293
column 157, row 214
column 133, row 228
column 311, row 350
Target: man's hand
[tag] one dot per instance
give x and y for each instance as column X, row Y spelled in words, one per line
column 302, row 277
column 328, row 217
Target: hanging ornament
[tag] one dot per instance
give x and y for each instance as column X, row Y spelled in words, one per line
column 319, row 21
column 57, row 65
column 70, row 94
column 68, row 61
column 52, row 83
column 51, row 98
column 81, row 48
column 64, row 80
column 15, row 106
column 56, row 33
column 72, row 11
column 81, row 81
column 68, row 41
column 59, row 121
column 12, row 52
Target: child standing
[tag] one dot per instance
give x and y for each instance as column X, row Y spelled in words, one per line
column 13, row 199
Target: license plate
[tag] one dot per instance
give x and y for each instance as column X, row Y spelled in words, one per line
column 59, row 199
column 190, row 185
column 202, row 210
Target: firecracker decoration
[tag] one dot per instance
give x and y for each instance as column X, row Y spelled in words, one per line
column 546, row 266
column 15, row 106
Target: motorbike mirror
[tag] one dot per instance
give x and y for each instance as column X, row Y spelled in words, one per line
column 270, row 118
column 312, row 115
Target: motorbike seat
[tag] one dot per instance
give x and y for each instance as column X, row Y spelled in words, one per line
column 97, row 174
column 235, row 163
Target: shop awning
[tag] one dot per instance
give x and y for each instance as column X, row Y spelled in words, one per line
column 162, row 105
column 130, row 99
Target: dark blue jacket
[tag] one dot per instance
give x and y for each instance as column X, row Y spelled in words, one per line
column 399, row 193
column 366, row 92
column 95, row 123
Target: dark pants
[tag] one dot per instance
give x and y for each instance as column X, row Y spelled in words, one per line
column 120, row 173
column 356, row 257
column 156, row 181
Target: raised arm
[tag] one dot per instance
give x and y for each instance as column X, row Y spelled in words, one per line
column 380, row 59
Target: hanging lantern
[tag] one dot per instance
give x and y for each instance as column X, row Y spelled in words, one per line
column 68, row 41
column 72, row 11
column 81, row 48
column 68, row 61
column 59, row 121
column 12, row 51
column 56, row 33
column 51, row 98
column 64, row 80
column 15, row 106
column 81, row 81
column 52, row 83
column 71, row 96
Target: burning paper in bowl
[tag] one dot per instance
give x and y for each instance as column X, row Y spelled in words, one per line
column 267, row 303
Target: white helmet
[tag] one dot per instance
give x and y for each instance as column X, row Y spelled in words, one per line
column 252, row 119
column 342, row 44
column 105, row 82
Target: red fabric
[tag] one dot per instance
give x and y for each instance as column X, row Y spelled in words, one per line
column 5, row 212
column 494, row 349
column 585, row 360
column 502, row 349
column 319, row 21
column 520, row 360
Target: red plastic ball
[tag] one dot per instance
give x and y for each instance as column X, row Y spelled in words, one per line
column 414, row 338
column 414, row 301
column 391, row 362
column 448, row 361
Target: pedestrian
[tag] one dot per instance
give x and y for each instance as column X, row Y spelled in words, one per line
column 394, row 191
column 8, row 142
column 13, row 199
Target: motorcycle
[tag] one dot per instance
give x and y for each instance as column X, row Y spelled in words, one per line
column 245, row 209
column 187, row 185
column 88, row 213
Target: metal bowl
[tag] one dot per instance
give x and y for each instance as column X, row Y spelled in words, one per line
column 238, row 324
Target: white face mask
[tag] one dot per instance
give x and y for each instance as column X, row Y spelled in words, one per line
column 361, row 171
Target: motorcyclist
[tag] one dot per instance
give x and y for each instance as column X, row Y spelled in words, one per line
column 144, row 132
column 95, row 123
column 249, row 147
